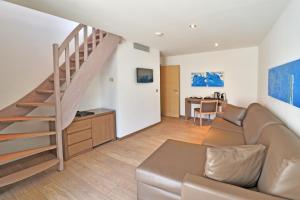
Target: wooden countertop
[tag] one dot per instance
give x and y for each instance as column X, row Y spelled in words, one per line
column 98, row 112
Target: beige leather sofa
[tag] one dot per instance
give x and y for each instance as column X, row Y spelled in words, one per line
column 176, row 169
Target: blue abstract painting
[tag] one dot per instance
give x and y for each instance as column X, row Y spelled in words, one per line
column 208, row 79
column 284, row 83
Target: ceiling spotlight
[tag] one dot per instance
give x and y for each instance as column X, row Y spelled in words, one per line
column 193, row 26
column 160, row 34
column 216, row 44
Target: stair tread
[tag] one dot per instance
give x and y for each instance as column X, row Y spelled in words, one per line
column 61, row 79
column 12, row 136
column 91, row 42
column 35, row 104
column 28, row 172
column 10, row 157
column 45, row 91
column 26, row 118
column 80, row 58
column 81, row 51
column 71, row 68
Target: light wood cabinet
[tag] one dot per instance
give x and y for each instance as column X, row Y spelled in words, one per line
column 103, row 129
column 84, row 133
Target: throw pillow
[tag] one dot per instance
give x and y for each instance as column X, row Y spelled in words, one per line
column 237, row 165
column 234, row 114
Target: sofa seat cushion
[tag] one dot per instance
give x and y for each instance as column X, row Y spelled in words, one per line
column 220, row 137
column 167, row 166
column 220, row 123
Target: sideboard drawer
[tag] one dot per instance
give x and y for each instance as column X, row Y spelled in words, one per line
column 79, row 126
column 80, row 147
column 79, row 136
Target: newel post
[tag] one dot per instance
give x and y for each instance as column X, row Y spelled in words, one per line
column 58, row 116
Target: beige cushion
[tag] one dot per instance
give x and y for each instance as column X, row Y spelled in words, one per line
column 257, row 118
column 167, row 166
column 220, row 123
column 234, row 114
column 281, row 172
column 237, row 165
column 220, row 137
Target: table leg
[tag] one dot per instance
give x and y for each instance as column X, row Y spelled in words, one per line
column 187, row 109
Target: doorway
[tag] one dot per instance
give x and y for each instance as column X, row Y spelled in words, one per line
column 170, row 90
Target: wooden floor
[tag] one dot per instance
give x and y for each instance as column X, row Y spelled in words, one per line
column 107, row 172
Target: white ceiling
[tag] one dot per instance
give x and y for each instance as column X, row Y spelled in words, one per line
column 231, row 23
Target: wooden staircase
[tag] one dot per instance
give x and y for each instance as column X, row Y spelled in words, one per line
column 49, row 94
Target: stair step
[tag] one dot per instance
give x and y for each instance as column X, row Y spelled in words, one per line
column 26, row 118
column 91, row 42
column 13, row 136
column 60, row 79
column 81, row 52
column 72, row 60
column 36, row 104
column 10, row 157
column 71, row 68
column 42, row 91
column 26, row 173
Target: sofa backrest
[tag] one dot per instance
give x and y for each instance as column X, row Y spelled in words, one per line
column 281, row 171
column 257, row 118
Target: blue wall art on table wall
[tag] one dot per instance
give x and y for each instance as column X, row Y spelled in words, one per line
column 284, row 83
column 208, row 79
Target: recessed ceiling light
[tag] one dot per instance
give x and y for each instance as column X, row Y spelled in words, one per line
column 216, row 44
column 193, row 26
column 160, row 34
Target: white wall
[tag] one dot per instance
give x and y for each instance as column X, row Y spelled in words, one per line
column 281, row 45
column 137, row 105
column 240, row 74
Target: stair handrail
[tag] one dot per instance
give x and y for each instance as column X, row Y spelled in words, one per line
column 70, row 37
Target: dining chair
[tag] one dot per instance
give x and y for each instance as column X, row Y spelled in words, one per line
column 207, row 107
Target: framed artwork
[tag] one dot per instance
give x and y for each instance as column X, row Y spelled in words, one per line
column 207, row 79
column 284, row 83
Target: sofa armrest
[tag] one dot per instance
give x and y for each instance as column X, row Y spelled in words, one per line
column 201, row 188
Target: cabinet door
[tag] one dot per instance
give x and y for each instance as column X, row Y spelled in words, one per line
column 103, row 129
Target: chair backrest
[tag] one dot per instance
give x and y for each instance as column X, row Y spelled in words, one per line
column 209, row 106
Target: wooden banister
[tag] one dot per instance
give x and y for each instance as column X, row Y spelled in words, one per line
column 85, row 32
column 94, row 38
column 77, row 52
column 67, row 61
column 69, row 38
